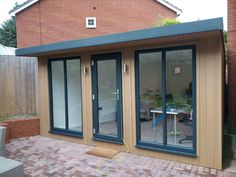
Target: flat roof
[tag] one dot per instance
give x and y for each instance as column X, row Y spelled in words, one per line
column 215, row 24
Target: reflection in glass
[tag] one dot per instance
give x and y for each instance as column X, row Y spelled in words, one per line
column 74, row 95
column 150, row 78
column 107, row 97
column 58, row 90
column 179, row 98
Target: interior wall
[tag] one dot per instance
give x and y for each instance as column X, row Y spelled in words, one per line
column 209, row 68
column 184, row 77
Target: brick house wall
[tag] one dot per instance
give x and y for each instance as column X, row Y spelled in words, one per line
column 49, row 21
column 27, row 27
column 232, row 64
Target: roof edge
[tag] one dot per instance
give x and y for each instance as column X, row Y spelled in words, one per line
column 31, row 2
column 171, row 6
column 23, row 6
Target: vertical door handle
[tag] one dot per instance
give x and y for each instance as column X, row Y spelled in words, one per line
column 117, row 93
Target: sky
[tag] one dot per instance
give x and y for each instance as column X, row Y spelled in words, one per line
column 201, row 9
column 5, row 7
column 192, row 9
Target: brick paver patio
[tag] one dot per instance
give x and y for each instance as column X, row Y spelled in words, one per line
column 50, row 157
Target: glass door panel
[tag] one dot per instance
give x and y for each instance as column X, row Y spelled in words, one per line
column 179, row 81
column 107, row 113
column 58, row 94
column 74, row 95
column 107, row 97
column 150, row 93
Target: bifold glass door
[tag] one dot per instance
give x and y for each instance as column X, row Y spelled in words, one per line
column 65, row 96
column 166, row 101
column 107, row 97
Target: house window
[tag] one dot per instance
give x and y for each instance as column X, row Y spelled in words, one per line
column 90, row 22
column 65, row 96
column 166, row 102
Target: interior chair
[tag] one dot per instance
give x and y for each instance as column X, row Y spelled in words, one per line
column 188, row 122
column 146, row 106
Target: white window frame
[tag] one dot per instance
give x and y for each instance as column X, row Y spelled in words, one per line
column 87, row 22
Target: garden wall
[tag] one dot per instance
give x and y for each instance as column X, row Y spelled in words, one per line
column 23, row 127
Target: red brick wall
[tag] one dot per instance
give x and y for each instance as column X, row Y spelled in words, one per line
column 65, row 19
column 22, row 127
column 232, row 62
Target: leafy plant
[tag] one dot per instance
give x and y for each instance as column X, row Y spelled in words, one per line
column 225, row 40
column 163, row 21
column 8, row 32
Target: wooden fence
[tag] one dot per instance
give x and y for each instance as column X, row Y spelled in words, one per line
column 17, row 86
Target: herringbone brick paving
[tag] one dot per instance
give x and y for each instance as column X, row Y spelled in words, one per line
column 44, row 157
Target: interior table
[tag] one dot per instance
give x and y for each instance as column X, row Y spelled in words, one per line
column 172, row 112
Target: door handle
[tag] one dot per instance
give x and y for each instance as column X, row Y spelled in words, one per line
column 117, row 93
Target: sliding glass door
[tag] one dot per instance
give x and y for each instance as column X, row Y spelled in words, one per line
column 65, row 96
column 165, row 99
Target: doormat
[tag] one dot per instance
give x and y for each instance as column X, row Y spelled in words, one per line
column 103, row 152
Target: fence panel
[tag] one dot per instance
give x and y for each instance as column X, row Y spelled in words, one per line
column 17, row 85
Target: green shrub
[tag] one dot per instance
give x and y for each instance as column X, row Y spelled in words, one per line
column 163, row 21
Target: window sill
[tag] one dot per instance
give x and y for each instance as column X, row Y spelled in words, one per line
column 67, row 133
column 172, row 151
column 90, row 27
